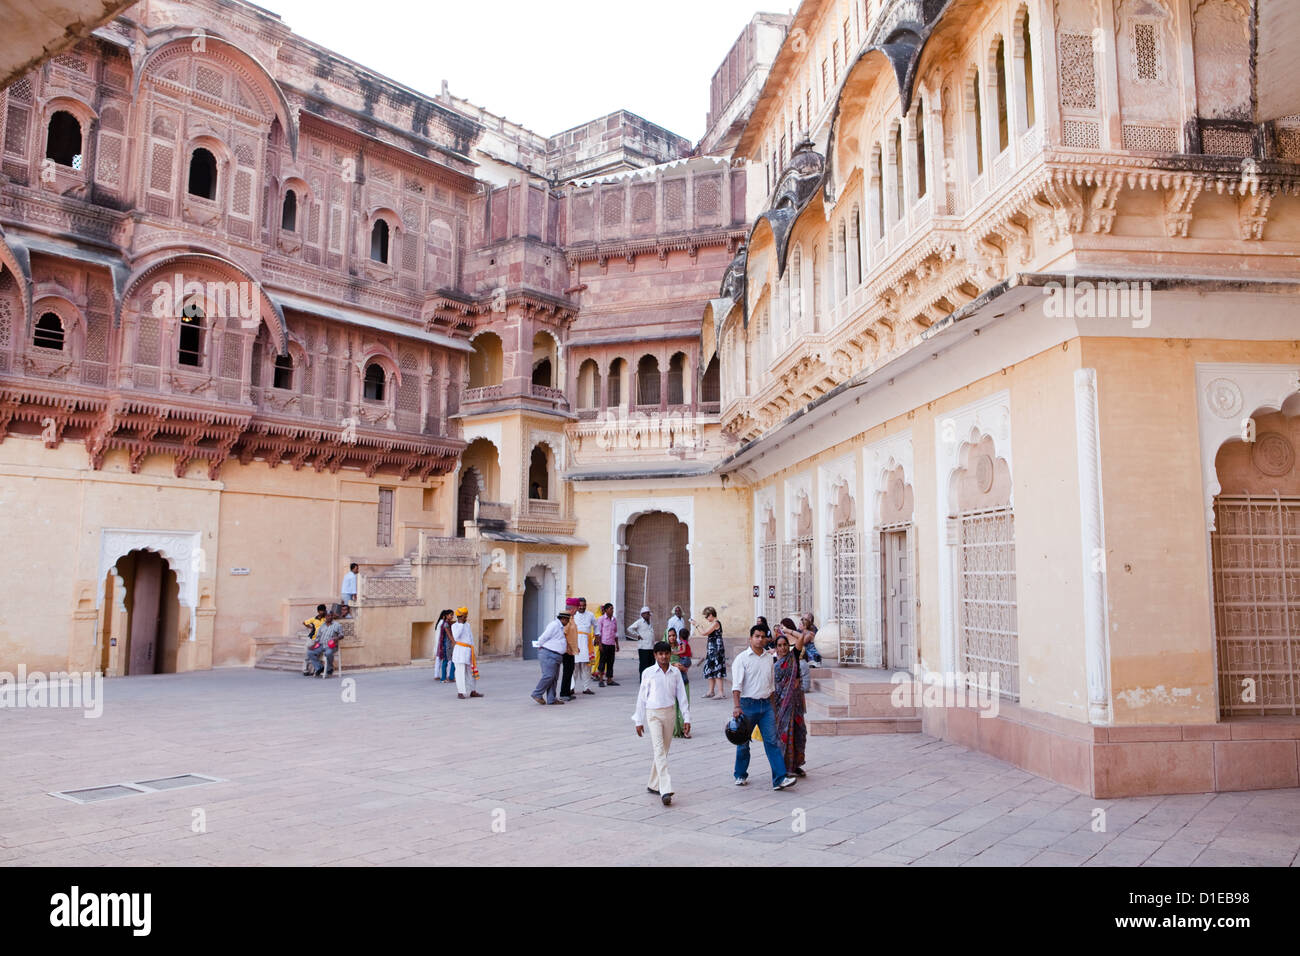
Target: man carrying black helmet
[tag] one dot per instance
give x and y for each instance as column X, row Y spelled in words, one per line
column 753, row 688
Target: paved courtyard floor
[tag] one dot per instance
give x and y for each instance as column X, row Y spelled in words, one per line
column 408, row 774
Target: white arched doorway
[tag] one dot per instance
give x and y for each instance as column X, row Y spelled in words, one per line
column 146, row 560
column 541, row 601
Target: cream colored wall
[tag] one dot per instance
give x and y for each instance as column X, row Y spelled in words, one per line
column 720, row 551
column 294, row 530
column 1048, row 536
column 1158, row 586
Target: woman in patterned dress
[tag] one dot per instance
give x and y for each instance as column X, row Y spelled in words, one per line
column 791, row 729
column 715, row 654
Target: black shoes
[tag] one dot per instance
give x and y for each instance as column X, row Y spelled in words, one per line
column 668, row 799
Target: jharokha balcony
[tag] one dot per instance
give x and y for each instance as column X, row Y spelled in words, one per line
column 195, row 414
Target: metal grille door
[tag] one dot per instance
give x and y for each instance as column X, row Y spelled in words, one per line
column 797, row 587
column 769, row 586
column 987, row 564
column 1256, row 551
column 846, row 594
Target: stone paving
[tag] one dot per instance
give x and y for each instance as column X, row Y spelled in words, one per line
column 408, row 774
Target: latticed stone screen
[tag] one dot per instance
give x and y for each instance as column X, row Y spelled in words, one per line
column 770, row 581
column 1078, row 72
column 989, row 638
column 1256, row 549
column 797, row 586
column 846, row 594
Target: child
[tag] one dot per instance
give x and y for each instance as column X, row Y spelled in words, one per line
column 681, row 659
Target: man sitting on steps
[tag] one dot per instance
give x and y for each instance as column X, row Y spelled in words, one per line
column 326, row 645
column 313, row 625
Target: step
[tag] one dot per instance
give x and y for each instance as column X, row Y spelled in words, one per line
column 856, row 726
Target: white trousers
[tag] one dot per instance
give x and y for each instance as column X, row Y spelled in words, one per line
column 581, row 676
column 463, row 676
column 659, row 725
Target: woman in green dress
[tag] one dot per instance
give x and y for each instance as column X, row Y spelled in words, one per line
column 681, row 659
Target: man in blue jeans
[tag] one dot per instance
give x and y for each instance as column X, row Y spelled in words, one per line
column 551, row 648
column 753, row 686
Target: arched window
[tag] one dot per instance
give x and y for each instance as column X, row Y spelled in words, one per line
column 841, row 242
column 545, row 360
column 647, row 381
column 616, row 383
column 816, row 292
column 486, row 364
column 676, row 379
column 899, row 205
column 374, row 383
column 855, row 247
column 589, row 385
column 878, row 187
column 283, row 372
column 920, row 150
column 1027, row 69
column 796, row 288
column 49, row 332
column 289, row 217
column 1000, row 91
column 379, row 241
column 975, row 135
column 711, row 386
column 539, row 483
column 189, row 349
column 63, row 140
column 203, row 174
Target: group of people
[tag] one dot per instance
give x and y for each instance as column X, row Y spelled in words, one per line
column 576, row 651
column 324, row 630
column 767, row 691
column 455, row 654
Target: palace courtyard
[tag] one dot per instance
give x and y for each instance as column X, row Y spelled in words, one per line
column 408, row 775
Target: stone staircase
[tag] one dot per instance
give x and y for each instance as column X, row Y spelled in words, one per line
column 856, row 700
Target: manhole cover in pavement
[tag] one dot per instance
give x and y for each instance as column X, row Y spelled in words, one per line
column 172, row 783
column 95, row 794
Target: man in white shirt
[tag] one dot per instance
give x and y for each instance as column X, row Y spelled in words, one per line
column 644, row 635
column 662, row 691
column 464, row 657
column 753, row 689
column 348, row 590
column 551, row 647
column 585, row 621
column 678, row 623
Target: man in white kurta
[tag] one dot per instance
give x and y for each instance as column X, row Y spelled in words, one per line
column 462, row 655
column 585, row 621
column 662, row 690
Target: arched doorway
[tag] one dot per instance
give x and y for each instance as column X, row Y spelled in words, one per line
column 541, row 600
column 471, row 487
column 1256, row 563
column 657, row 570
column 150, row 640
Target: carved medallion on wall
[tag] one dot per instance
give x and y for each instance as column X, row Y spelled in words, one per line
column 896, row 491
column 1223, row 396
column 984, row 474
column 1273, row 455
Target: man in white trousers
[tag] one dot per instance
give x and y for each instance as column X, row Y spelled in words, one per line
column 661, row 689
column 463, row 656
column 586, row 624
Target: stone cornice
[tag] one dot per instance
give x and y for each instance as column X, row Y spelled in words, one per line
column 660, row 245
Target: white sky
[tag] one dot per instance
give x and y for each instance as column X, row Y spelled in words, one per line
column 546, row 65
